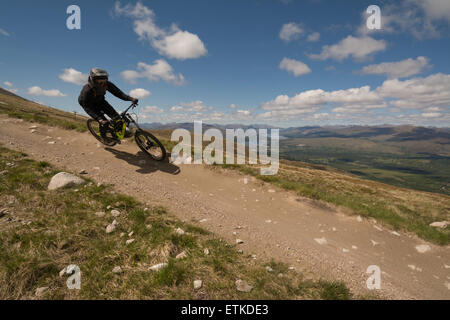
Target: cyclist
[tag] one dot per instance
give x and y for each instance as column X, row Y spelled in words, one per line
column 92, row 97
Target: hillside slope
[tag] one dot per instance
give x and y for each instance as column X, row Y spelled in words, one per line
column 314, row 238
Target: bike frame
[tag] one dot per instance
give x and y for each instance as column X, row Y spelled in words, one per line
column 127, row 119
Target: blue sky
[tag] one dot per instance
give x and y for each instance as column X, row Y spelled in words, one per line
column 284, row 63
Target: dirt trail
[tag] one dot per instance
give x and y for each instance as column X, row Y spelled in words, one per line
column 315, row 239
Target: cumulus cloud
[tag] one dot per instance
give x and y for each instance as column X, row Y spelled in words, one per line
column 430, row 96
column 139, row 93
column 159, row 70
column 37, row 91
column 152, row 110
column 298, row 68
column 194, row 106
column 291, row 31
column 359, row 48
column 400, row 69
column 74, row 76
column 172, row 43
column 313, row 37
column 421, row 18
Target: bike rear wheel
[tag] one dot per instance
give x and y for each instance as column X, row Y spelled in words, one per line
column 150, row 145
column 107, row 138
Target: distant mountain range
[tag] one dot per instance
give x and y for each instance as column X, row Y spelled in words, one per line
column 387, row 132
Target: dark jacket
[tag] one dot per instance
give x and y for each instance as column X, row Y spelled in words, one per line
column 92, row 102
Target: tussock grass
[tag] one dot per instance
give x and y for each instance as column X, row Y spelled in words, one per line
column 45, row 231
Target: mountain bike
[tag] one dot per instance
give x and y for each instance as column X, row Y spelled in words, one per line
column 116, row 130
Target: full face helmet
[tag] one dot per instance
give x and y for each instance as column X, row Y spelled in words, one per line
column 98, row 79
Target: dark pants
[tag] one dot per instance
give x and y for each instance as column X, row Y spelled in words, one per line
column 106, row 108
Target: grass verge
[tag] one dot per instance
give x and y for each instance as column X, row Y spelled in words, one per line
column 45, row 231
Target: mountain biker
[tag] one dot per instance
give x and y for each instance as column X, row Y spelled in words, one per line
column 92, row 97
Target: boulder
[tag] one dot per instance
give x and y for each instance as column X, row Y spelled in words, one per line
column 64, row 180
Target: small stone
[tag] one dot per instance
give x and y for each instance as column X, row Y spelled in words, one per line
column 203, row 220
column 51, row 142
column 4, row 172
column 100, row 214
column 33, row 127
column 145, row 209
column 40, row 291
column 280, row 275
column 245, row 180
column 115, row 223
column 291, row 268
column 439, row 224
column 269, row 269
column 115, row 213
column 117, row 269
column 82, row 172
column 180, row 231
column 206, row 251
column 321, row 241
column 243, row 286
column 268, row 221
column 158, row 266
column 110, row 228
column 131, row 234
column 271, row 191
column 239, row 241
column 374, row 243
column 359, row 219
column 182, row 255
column 108, row 207
column 198, row 284
column 240, row 251
column 235, row 233
column 130, row 241
column 64, row 180
column 422, row 248
column 395, row 233
column 33, row 131
column 62, row 272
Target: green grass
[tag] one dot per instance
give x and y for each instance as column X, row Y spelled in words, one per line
column 50, row 230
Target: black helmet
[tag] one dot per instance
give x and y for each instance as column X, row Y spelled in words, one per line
column 97, row 74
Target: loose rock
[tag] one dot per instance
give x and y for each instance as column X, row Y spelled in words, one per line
column 440, row 224
column 243, row 286
column 158, row 266
column 115, row 213
column 117, row 269
column 64, row 180
column 182, row 255
column 198, row 284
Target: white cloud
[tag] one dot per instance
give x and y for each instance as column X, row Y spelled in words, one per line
column 7, row 83
column 139, row 93
column 359, row 48
column 159, row 70
column 435, row 9
column 197, row 106
column 74, row 76
column 418, row 93
column 172, row 43
column 37, row 91
column 421, row 18
column 421, row 98
column 431, row 114
column 313, row 37
column 152, row 110
column 298, row 68
column 242, row 113
column 290, row 31
column 3, row 32
column 400, row 69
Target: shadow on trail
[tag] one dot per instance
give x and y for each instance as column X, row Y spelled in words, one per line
column 144, row 162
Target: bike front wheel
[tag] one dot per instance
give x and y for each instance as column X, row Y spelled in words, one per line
column 150, row 145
